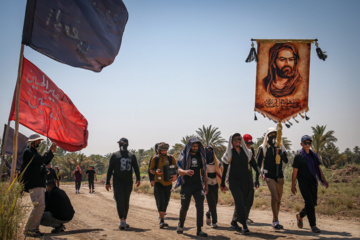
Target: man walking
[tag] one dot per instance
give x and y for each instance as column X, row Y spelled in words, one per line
column 91, row 175
column 270, row 158
column 121, row 166
column 160, row 167
column 306, row 169
column 34, row 180
column 192, row 171
column 238, row 160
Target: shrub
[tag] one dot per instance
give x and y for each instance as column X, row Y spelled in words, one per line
column 10, row 209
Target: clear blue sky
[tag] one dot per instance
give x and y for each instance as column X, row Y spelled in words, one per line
column 182, row 65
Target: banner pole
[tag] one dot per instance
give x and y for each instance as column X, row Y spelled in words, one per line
column 16, row 131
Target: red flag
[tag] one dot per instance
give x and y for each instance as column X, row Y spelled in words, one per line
column 47, row 110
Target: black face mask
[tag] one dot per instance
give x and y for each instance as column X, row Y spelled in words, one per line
column 123, row 147
column 272, row 140
column 36, row 145
column 209, row 156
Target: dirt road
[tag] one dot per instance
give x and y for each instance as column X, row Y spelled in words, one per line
column 96, row 218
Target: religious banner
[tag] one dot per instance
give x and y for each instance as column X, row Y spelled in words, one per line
column 282, row 77
column 47, row 110
column 81, row 33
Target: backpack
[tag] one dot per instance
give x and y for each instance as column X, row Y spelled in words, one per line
column 157, row 159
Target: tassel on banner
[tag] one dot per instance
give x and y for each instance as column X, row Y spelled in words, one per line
column 296, row 120
column 306, row 117
column 255, row 118
column 290, row 123
column 287, row 125
column 301, row 116
column 322, row 55
column 252, row 55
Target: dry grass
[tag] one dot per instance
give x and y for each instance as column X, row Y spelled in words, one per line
column 10, row 209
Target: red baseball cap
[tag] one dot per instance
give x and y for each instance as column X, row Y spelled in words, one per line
column 248, row 139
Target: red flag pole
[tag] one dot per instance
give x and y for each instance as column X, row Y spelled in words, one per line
column 18, row 87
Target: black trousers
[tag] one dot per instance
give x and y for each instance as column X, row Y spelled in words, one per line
column 122, row 193
column 243, row 195
column 309, row 192
column 77, row 185
column 186, row 192
column 91, row 184
column 162, row 196
column 212, row 200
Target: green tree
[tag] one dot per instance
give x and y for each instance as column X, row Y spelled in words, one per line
column 321, row 139
column 211, row 136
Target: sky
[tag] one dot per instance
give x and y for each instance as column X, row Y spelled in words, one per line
column 182, row 65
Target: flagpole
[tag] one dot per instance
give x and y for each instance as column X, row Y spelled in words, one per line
column 15, row 142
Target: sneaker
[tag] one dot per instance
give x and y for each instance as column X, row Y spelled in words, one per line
column 214, row 225
column 201, row 234
column 163, row 224
column 299, row 221
column 208, row 218
column 235, row 226
column 122, row 225
column 34, row 234
column 127, row 225
column 90, row 191
column 277, row 226
column 245, row 231
column 58, row 229
column 179, row 229
column 314, row 229
column 249, row 221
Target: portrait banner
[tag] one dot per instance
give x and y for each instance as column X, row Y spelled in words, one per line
column 47, row 110
column 282, row 78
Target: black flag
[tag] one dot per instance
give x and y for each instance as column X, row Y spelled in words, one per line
column 80, row 33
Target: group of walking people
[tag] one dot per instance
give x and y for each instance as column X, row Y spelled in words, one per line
column 199, row 173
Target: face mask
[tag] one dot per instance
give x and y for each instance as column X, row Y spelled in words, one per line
column 123, row 147
column 272, row 140
column 209, row 156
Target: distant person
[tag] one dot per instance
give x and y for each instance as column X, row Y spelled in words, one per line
column 50, row 173
column 214, row 171
column 283, row 76
column 121, row 166
column 58, row 175
column 34, row 180
column 238, row 160
column 266, row 159
column 91, row 175
column 58, row 208
column 192, row 177
column 160, row 167
column 306, row 169
column 78, row 178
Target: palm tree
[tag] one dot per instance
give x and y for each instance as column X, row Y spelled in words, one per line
column 185, row 139
column 321, row 140
column 210, row 136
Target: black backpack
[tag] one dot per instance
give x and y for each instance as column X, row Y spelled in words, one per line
column 157, row 159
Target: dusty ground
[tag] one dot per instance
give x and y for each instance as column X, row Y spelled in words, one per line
column 96, row 218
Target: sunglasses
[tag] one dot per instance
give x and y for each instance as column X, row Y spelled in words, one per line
column 237, row 139
column 307, row 143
